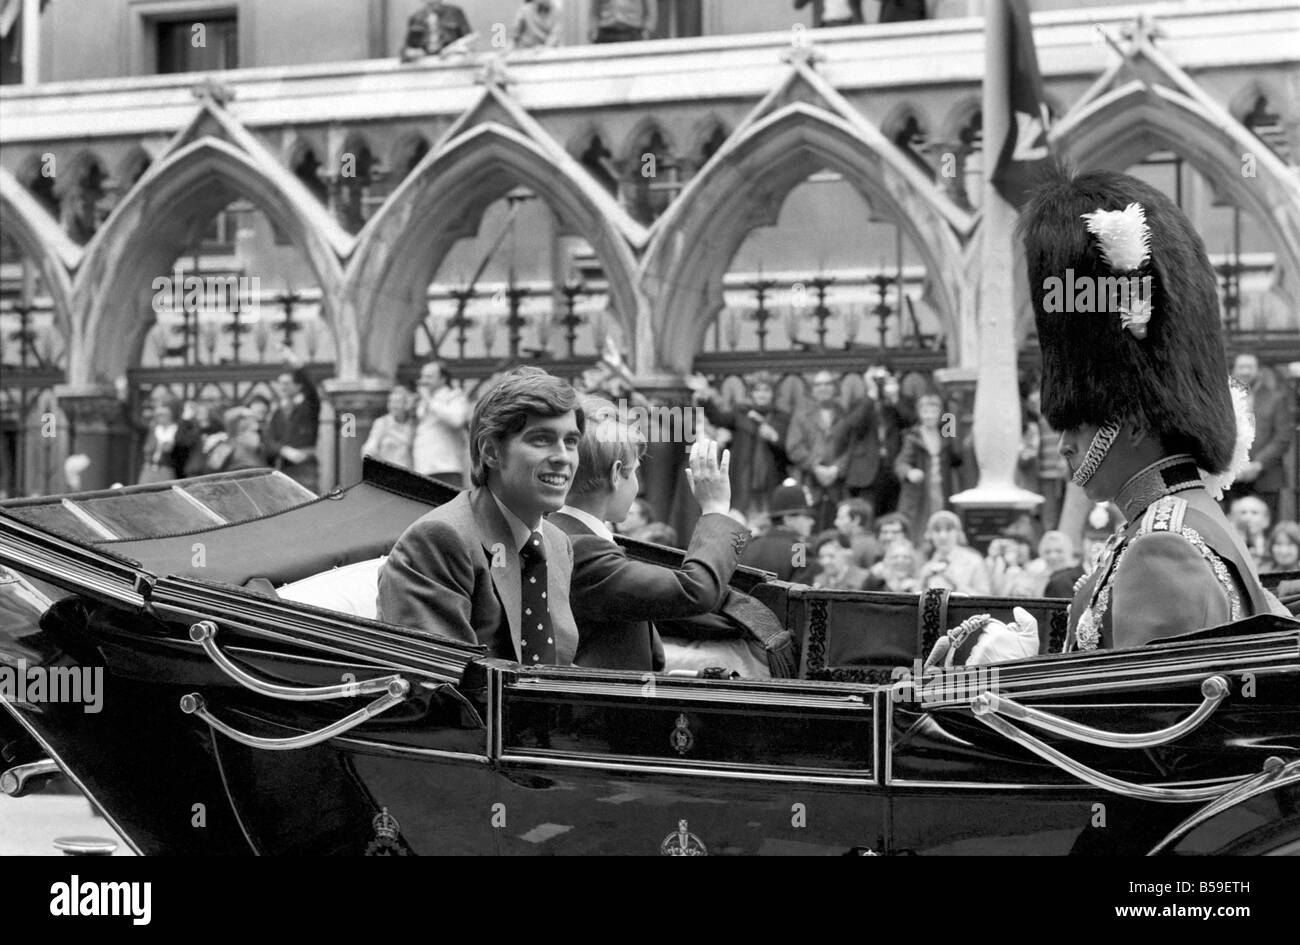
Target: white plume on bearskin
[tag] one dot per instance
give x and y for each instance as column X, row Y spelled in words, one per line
column 1123, row 235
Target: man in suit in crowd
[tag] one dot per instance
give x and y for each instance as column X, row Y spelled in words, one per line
column 784, row 548
column 614, row 597
column 757, row 442
column 808, row 443
column 853, row 522
column 868, row 439
column 1274, row 431
column 486, row 567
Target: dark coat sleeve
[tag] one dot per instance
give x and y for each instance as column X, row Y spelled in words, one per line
column 427, row 584
column 1283, row 428
column 1163, row 588
column 607, row 584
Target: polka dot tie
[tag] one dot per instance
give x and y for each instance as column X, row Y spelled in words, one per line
column 536, row 636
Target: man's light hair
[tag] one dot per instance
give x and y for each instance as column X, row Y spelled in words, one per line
column 608, row 438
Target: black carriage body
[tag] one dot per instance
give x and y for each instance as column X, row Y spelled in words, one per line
column 484, row 756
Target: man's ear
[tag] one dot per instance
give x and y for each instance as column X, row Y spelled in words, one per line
column 615, row 473
column 492, row 450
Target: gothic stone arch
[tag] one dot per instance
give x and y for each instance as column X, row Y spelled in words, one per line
column 139, row 240
column 442, row 201
column 744, row 187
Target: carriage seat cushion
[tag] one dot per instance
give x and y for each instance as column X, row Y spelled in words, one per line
column 351, row 589
column 737, row 656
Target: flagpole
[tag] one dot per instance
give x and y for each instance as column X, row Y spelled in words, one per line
column 997, row 397
column 31, row 38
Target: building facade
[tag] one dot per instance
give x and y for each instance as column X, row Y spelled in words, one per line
column 747, row 190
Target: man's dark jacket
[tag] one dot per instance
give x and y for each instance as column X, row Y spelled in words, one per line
column 869, row 436
column 614, row 598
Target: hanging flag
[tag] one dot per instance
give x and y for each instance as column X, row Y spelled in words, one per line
column 1026, row 147
column 9, row 10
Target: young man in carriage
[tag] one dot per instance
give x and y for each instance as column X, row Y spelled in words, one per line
column 620, row 603
column 487, row 567
column 1134, row 375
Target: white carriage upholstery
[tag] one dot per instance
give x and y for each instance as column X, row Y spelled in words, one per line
column 351, row 589
column 354, row 589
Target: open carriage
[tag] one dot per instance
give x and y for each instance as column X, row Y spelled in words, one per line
column 237, row 716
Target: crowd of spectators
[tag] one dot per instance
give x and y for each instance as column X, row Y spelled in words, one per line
column 840, row 494
column 201, row 436
column 442, row 29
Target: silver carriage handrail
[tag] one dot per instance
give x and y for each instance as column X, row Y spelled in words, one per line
column 23, row 779
column 1145, row 792
column 1213, row 691
column 1275, row 773
column 204, row 633
column 194, row 704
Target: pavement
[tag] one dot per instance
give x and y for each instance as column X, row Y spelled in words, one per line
column 29, row 825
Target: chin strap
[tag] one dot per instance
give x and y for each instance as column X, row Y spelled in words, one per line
column 1097, row 451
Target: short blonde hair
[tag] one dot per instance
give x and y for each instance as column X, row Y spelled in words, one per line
column 609, row 437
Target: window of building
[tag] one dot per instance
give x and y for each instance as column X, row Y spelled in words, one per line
column 198, row 45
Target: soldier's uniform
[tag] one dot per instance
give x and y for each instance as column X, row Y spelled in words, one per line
column 1152, row 354
column 1173, row 566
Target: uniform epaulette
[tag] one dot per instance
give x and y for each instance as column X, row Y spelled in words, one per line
column 1164, row 515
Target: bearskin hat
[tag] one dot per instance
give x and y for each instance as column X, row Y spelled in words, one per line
column 1099, row 365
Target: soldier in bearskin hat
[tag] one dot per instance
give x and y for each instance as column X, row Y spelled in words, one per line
column 1134, row 374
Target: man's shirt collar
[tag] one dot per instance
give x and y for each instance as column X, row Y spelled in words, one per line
column 518, row 529
column 598, row 528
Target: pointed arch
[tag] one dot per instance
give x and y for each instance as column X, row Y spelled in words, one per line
column 629, row 152
column 443, row 200
column 139, row 240
column 40, row 237
column 744, row 186
column 1122, row 127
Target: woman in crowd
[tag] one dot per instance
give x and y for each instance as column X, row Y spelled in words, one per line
column 925, row 463
column 897, row 570
column 1283, row 548
column 240, row 445
column 205, row 432
column 391, row 437
column 952, row 564
column 159, row 444
column 1011, row 572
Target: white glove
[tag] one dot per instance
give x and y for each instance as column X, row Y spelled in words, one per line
column 996, row 642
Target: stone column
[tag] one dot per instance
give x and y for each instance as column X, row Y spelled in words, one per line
column 100, row 429
column 357, row 405
column 996, row 500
